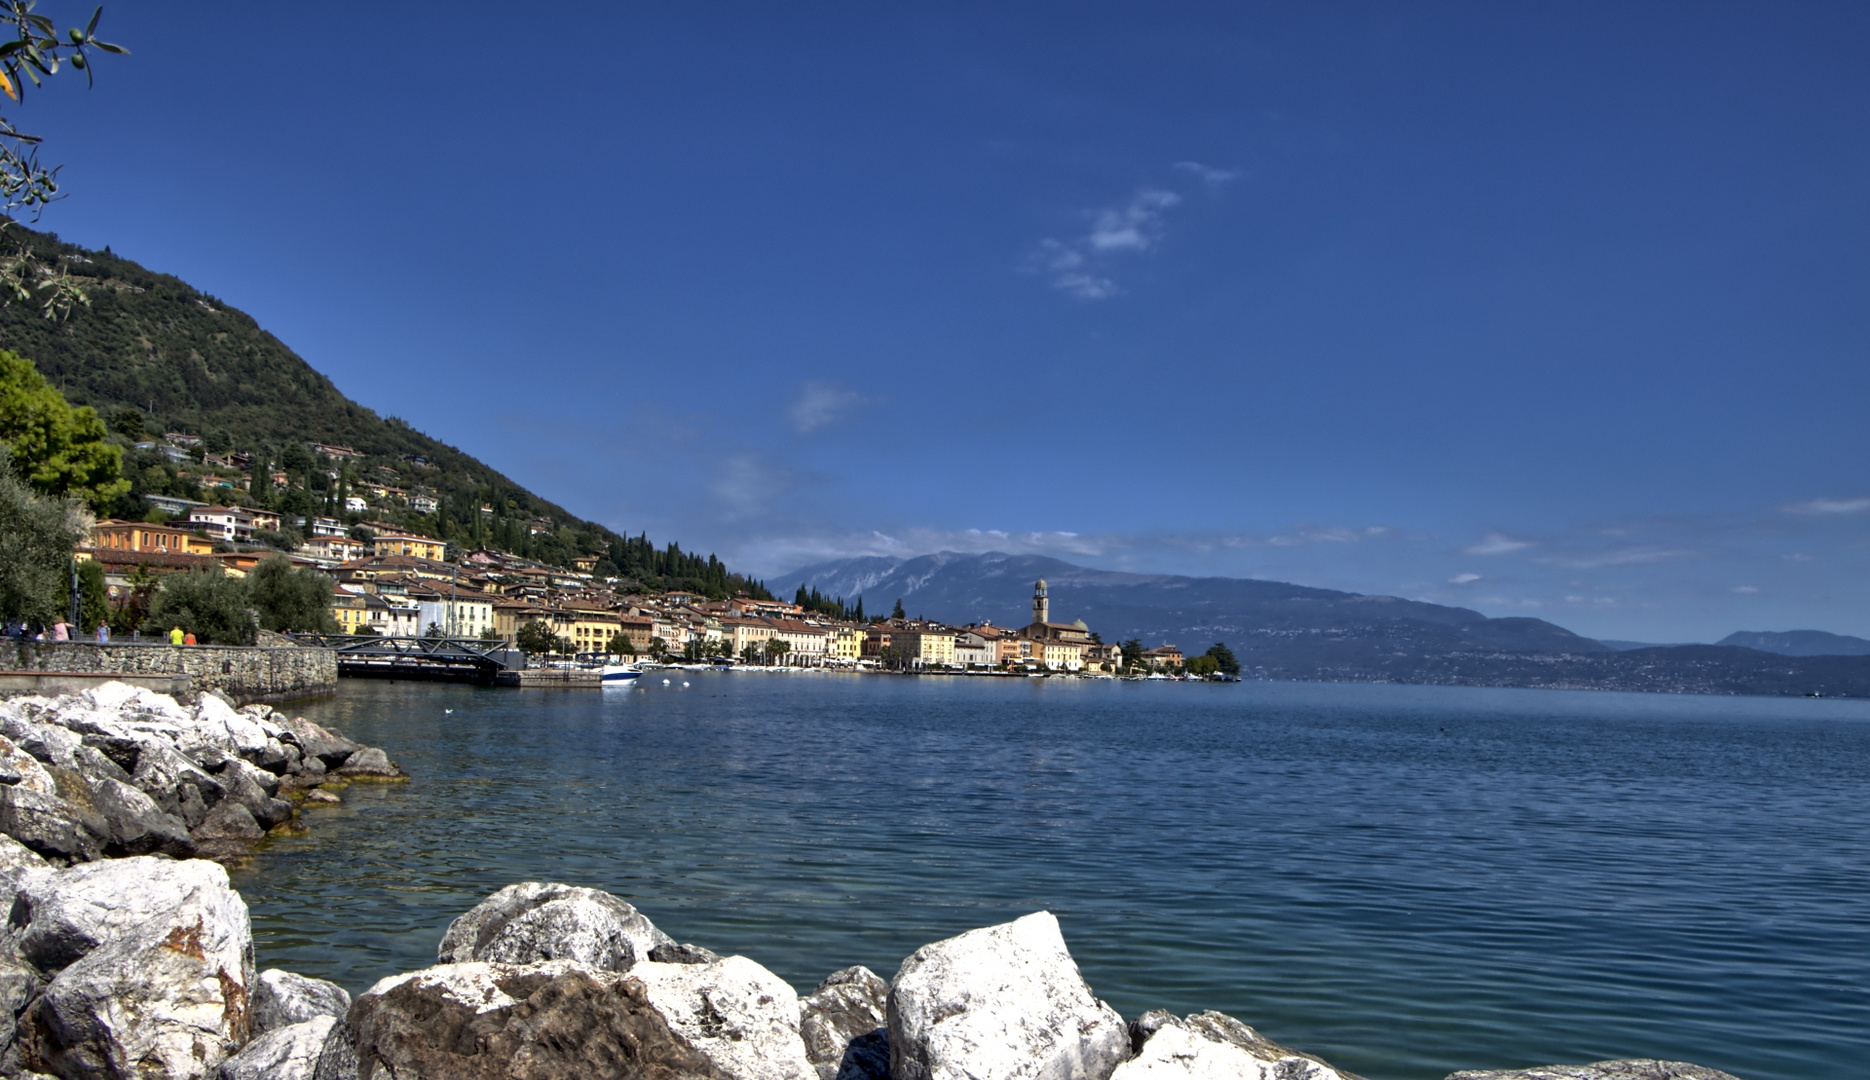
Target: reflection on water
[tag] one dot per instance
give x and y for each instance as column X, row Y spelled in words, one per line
column 1403, row 880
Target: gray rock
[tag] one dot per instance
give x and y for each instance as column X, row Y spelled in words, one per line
column 370, row 761
column 242, row 786
column 17, row 863
column 327, row 746
column 19, row 983
column 1626, row 1069
column 27, row 771
column 1001, row 1003
column 176, row 784
column 286, row 1053
column 844, row 1024
column 137, row 826
column 162, row 995
column 501, row 1022
column 532, row 921
column 267, row 782
column 1211, row 1044
column 743, row 1018
column 282, row 999
column 51, row 826
column 229, row 821
column 120, row 750
column 685, row 953
column 338, row 1059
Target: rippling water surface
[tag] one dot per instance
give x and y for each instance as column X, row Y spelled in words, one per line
column 1404, row 880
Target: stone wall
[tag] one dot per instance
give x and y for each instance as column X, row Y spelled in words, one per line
column 245, row 674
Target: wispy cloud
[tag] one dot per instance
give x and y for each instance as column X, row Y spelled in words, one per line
column 1464, row 579
column 1207, row 174
column 1746, row 590
column 1080, row 266
column 818, row 404
column 1623, row 556
column 1823, row 506
column 1496, row 543
column 745, row 486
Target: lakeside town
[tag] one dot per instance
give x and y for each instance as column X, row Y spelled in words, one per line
column 391, row 581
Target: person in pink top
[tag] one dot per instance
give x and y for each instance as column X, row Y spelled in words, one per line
column 60, row 631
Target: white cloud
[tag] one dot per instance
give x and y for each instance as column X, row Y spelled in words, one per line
column 1746, row 590
column 1207, row 174
column 745, row 485
column 1495, row 543
column 818, row 404
column 1464, row 579
column 1079, row 267
column 1830, row 506
column 1625, row 556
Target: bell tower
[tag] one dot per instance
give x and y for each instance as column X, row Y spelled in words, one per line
column 1041, row 606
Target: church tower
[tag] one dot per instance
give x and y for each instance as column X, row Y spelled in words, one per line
column 1041, row 607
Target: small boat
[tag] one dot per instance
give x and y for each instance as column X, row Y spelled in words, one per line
column 620, row 674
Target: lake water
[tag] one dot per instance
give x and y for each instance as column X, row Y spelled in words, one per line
column 1403, row 880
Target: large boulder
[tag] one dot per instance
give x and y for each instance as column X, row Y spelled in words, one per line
column 370, row 763
column 743, row 1018
column 136, row 825
column 284, row 998
column 322, row 743
column 532, row 921
column 178, row 785
column 17, row 864
column 159, row 988
column 507, row 1022
column 51, row 826
column 1001, row 1003
column 845, row 1026
column 254, row 788
column 27, row 771
column 1214, row 1046
column 1626, row 1069
column 286, row 1053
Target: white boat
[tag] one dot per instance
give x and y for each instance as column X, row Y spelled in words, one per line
column 620, row 674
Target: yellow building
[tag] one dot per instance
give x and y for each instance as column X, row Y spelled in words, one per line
column 845, row 643
column 419, row 547
column 138, row 536
column 1061, row 655
column 350, row 611
column 929, row 646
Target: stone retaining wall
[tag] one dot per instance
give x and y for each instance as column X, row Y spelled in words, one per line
column 245, row 674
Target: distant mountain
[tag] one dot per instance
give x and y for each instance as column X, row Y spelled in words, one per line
column 1186, row 611
column 1282, row 631
column 1626, row 646
column 1799, row 643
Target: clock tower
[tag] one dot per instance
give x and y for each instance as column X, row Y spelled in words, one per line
column 1041, row 606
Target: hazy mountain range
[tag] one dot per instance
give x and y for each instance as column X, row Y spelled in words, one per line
column 1291, row 631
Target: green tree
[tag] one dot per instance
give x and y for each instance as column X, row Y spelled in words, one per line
column 775, row 648
column 56, row 448
column 536, row 638
column 291, row 599
column 621, row 645
column 94, row 595
column 36, row 537
column 1223, row 658
column 1132, row 652
column 208, row 604
column 897, row 612
column 658, row 648
column 490, row 634
column 128, row 423
column 1203, row 665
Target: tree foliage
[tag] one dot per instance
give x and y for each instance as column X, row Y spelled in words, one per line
column 59, row 450
column 206, row 603
column 36, row 538
column 536, row 638
column 291, row 599
column 814, row 601
column 1223, row 658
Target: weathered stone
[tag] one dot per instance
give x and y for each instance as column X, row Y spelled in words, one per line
column 283, row 998
column 338, row 1059
column 1626, row 1069
column 68, row 913
column 161, row 991
column 244, row 787
column 51, row 826
column 17, row 863
column 284, row 1053
column 370, row 762
column 137, row 826
column 844, row 1024
column 743, row 1018
column 27, row 770
column 267, row 782
column 502, row 1022
column 123, row 750
column 670, row 952
column 1214, row 1046
column 327, row 746
column 1001, row 1003
column 229, row 821
column 176, row 784
column 532, row 921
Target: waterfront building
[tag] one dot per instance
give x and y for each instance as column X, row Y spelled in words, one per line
column 139, row 536
column 419, row 547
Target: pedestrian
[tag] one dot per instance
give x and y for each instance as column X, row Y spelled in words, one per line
column 103, row 633
column 61, row 631
column 175, row 635
column 188, row 638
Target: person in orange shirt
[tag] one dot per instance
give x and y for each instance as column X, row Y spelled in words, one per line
column 188, row 638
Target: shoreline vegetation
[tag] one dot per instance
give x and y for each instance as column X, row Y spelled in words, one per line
column 126, row 959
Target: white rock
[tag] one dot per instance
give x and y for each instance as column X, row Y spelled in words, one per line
column 1001, row 1003
column 1214, row 1046
column 72, row 912
column 287, row 1053
column 164, row 995
column 284, row 998
column 530, row 922
column 742, row 1017
column 32, row 775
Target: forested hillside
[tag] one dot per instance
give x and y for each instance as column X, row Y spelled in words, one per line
column 153, row 354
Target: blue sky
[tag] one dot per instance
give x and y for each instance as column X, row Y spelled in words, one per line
column 1553, row 310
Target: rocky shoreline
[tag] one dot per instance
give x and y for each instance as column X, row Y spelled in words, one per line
column 127, row 953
